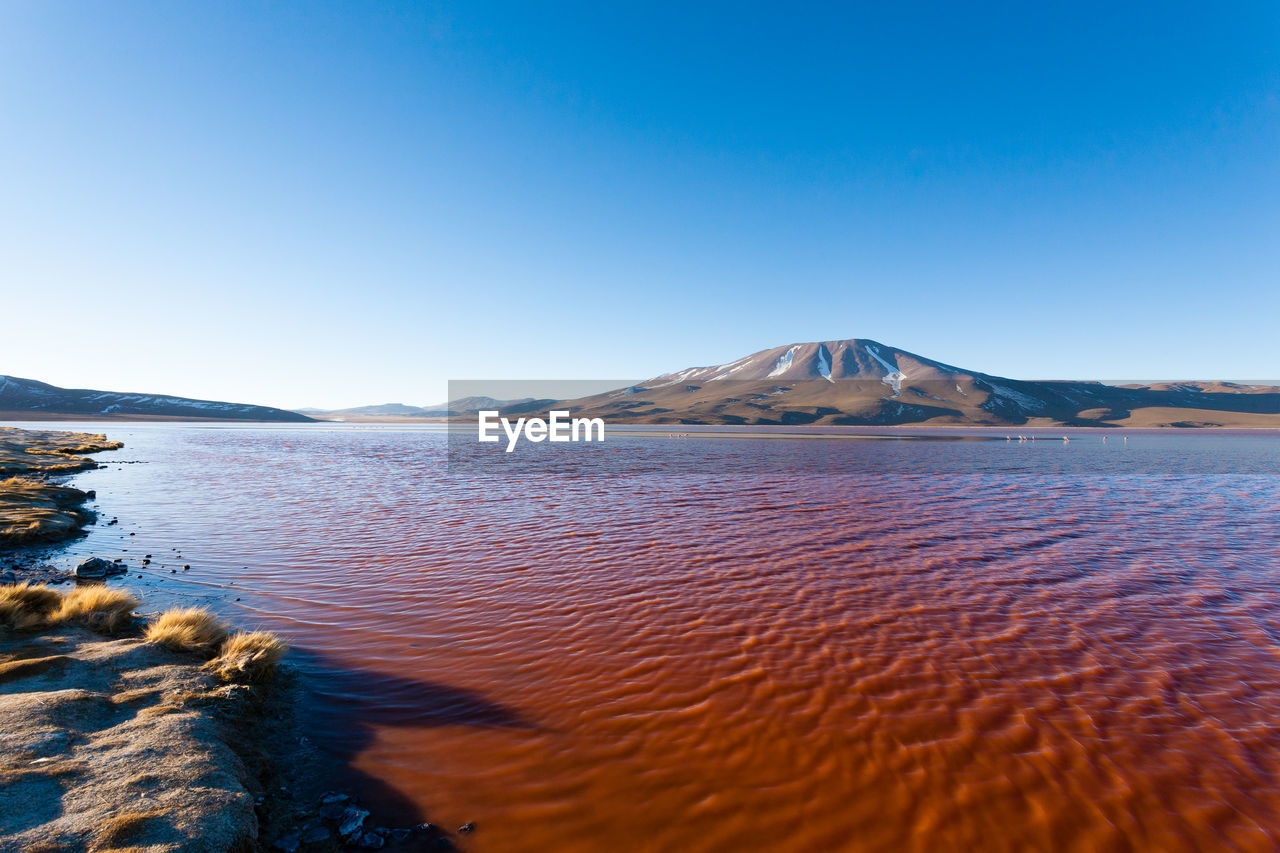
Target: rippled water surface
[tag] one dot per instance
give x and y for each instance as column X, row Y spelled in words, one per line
column 661, row 646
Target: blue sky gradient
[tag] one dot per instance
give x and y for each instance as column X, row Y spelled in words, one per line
column 343, row 203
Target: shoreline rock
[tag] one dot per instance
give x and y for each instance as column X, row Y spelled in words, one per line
column 96, row 568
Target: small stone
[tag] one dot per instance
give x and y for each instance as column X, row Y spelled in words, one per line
column 399, row 836
column 289, row 842
column 467, row 827
column 315, row 834
column 333, row 797
column 352, row 821
column 371, row 841
column 332, row 811
column 425, row 827
column 94, row 567
column 186, row 567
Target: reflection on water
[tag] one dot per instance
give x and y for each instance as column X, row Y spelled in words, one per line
column 963, row 651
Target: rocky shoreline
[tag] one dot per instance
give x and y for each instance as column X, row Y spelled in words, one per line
column 113, row 740
column 34, row 508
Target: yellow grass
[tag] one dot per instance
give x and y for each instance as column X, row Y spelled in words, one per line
column 26, row 606
column 27, row 667
column 248, row 656
column 191, row 629
column 108, row 611
column 123, row 829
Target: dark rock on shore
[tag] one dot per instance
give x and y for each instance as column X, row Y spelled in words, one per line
column 42, row 573
column 96, row 568
column 352, row 821
column 337, row 821
column 315, row 834
column 288, row 843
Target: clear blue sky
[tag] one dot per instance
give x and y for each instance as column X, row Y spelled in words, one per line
column 335, row 204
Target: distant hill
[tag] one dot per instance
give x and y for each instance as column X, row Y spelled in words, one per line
column 399, row 410
column 864, row 382
column 454, row 408
column 27, row 399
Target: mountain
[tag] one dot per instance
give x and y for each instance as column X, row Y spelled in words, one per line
column 454, row 408
column 471, row 405
column 391, row 410
column 864, row 382
column 28, row 399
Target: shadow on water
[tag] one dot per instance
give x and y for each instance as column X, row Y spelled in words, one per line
column 342, row 709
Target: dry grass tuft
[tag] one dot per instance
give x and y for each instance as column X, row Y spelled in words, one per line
column 192, row 629
column 27, row 667
column 248, row 656
column 123, row 829
column 108, row 611
column 13, row 773
column 25, row 606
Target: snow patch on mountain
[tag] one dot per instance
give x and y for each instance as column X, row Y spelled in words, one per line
column 1024, row 401
column 784, row 363
column 894, row 377
column 824, row 363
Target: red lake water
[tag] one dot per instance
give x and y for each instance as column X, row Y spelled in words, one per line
column 708, row 644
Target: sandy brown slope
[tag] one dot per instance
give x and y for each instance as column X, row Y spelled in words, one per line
column 968, row 402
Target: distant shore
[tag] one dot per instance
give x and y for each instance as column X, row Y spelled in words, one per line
column 1261, row 422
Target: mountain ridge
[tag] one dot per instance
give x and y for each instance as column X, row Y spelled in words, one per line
column 31, row 399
